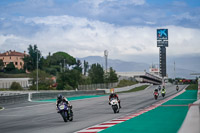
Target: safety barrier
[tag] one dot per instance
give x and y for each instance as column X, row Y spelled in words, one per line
column 51, row 95
column 12, row 99
column 19, row 98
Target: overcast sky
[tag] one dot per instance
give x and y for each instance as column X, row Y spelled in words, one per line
column 126, row 28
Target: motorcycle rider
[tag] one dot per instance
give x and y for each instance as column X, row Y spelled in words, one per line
column 159, row 87
column 114, row 95
column 156, row 90
column 61, row 98
column 163, row 91
column 177, row 87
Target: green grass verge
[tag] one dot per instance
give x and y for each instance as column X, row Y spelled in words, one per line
column 135, row 89
column 192, row 87
column 124, row 83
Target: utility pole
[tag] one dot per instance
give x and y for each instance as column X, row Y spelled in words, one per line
column 64, row 65
column 106, row 63
column 37, row 70
column 60, row 67
column 106, row 59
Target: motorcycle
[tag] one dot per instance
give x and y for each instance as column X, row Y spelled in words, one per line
column 156, row 95
column 177, row 88
column 163, row 94
column 115, row 105
column 65, row 111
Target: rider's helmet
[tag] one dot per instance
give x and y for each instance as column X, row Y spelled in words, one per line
column 59, row 97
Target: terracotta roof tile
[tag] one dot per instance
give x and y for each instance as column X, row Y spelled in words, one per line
column 12, row 53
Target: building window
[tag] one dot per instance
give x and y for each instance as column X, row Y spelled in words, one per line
column 20, row 63
column 10, row 57
column 16, row 63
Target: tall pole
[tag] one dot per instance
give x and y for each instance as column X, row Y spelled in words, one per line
column 64, row 65
column 106, row 63
column 61, row 67
column 37, row 70
column 106, row 59
column 174, row 71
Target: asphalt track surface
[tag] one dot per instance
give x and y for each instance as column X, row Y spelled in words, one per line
column 42, row 117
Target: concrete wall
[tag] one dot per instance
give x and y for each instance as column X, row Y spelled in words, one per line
column 51, row 95
column 12, row 99
column 7, row 82
column 19, row 98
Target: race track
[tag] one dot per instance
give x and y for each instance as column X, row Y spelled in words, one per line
column 42, row 117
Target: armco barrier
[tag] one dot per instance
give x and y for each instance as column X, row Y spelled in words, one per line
column 51, row 95
column 13, row 99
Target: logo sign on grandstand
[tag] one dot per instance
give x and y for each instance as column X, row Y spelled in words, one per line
column 154, row 70
column 162, row 34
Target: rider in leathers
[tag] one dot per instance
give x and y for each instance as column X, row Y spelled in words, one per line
column 114, row 95
column 61, row 98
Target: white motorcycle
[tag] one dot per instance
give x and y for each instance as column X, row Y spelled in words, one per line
column 115, row 105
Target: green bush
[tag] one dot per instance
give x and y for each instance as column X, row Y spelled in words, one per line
column 192, row 87
column 125, row 82
column 16, row 86
column 68, row 87
column 42, row 86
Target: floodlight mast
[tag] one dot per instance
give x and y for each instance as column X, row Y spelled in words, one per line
column 106, row 59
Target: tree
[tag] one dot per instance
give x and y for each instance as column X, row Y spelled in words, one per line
column 78, row 66
column 68, row 79
column 42, row 76
column 112, row 76
column 96, row 74
column 60, row 57
column 10, row 67
column 30, row 61
column 1, row 64
column 16, row 86
column 44, row 80
column 86, row 66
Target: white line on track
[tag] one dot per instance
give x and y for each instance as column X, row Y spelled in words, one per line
column 10, row 115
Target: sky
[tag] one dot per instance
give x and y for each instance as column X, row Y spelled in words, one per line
column 126, row 28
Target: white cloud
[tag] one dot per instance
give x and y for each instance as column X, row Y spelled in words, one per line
column 81, row 37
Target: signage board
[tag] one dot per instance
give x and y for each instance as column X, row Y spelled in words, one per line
column 162, row 43
column 162, row 34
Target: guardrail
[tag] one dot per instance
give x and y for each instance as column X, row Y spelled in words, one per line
column 12, row 98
